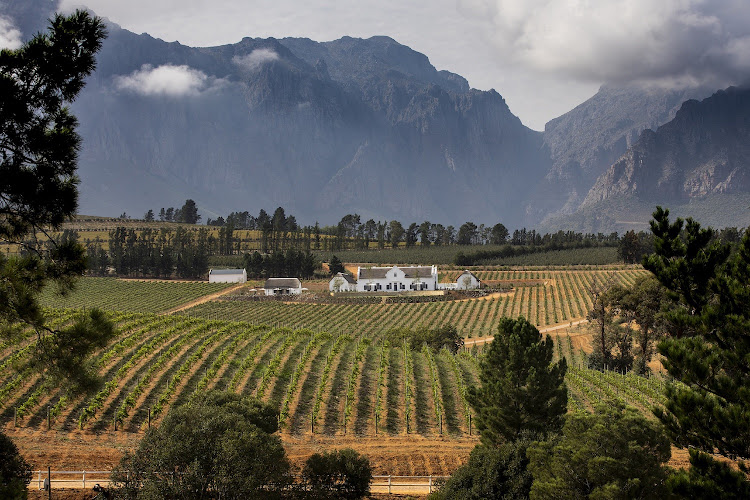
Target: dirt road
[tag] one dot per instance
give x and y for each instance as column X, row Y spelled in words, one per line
column 202, row 300
column 546, row 329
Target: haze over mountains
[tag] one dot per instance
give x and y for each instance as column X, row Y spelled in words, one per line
column 370, row 126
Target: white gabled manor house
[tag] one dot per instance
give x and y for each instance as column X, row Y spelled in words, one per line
column 397, row 279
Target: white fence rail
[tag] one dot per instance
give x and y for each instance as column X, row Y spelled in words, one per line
column 82, row 479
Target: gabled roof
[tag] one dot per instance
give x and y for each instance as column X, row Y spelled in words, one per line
column 282, row 283
column 226, row 271
column 467, row 272
column 374, row 273
column 348, row 277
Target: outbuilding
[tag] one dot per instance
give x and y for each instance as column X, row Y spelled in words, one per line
column 342, row 282
column 227, row 276
column 467, row 281
column 283, row 286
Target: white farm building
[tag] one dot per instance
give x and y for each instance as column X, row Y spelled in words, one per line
column 227, row 276
column 397, row 279
column 342, row 282
column 283, row 286
column 467, row 281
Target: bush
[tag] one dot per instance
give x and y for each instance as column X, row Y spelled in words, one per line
column 15, row 472
column 218, row 445
column 338, row 474
column 492, row 472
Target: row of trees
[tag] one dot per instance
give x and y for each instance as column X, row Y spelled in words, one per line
column 187, row 214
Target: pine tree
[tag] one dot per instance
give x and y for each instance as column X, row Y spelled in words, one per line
column 709, row 349
column 522, row 390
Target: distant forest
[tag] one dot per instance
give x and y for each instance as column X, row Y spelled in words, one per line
column 284, row 248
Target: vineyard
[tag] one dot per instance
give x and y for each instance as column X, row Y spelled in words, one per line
column 328, row 384
column 544, row 297
column 128, row 295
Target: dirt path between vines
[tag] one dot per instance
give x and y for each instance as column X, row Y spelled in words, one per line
column 561, row 326
column 202, row 300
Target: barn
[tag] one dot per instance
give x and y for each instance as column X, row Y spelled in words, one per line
column 342, row 282
column 283, row 286
column 467, row 281
column 227, row 276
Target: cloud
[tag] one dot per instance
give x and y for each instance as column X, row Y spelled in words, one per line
column 691, row 41
column 255, row 58
column 166, row 80
column 10, row 37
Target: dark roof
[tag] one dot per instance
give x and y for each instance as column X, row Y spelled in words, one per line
column 348, row 277
column 282, row 283
column 467, row 272
column 227, row 271
column 417, row 271
column 374, row 273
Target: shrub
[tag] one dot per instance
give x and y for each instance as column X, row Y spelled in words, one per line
column 338, row 474
column 15, row 471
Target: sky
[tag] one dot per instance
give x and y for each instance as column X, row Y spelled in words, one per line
column 543, row 56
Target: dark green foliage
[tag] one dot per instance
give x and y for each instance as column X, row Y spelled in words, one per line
column 522, row 390
column 613, row 453
column 492, row 472
column 611, row 340
column 335, row 266
column 218, row 445
column 337, row 474
column 15, row 472
column 642, row 304
column 189, row 213
column 708, row 478
column 446, row 336
column 38, row 158
column 709, row 352
column 290, row 264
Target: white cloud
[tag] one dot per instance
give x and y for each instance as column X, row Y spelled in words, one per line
column 620, row 40
column 10, row 37
column 166, row 80
column 255, row 58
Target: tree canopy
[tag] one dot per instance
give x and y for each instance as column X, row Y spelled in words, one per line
column 522, row 391
column 217, row 445
column 38, row 158
column 709, row 346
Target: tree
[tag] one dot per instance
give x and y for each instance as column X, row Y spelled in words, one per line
column 338, row 474
column 397, row 233
column 492, row 472
column 189, row 213
column 642, row 304
column 15, row 471
column 612, row 342
column 499, row 234
column 335, row 266
column 149, row 216
column 38, row 158
column 467, row 233
column 217, row 445
column 522, row 390
column 708, row 349
column 613, row 453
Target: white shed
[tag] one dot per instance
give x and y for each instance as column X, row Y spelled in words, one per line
column 467, row 281
column 342, row 282
column 283, row 286
column 227, row 276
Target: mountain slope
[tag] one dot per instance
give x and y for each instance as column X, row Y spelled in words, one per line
column 584, row 142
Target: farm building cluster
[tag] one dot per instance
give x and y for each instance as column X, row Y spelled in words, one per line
column 399, row 279
column 368, row 279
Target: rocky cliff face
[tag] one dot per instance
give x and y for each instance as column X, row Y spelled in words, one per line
column 704, row 150
column 366, row 126
column 587, row 140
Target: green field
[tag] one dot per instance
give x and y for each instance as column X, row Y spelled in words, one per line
column 324, row 383
column 128, row 295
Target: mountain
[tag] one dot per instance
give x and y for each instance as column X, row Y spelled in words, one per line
column 697, row 164
column 323, row 129
column 587, row 140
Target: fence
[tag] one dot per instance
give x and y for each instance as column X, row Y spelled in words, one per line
column 396, row 485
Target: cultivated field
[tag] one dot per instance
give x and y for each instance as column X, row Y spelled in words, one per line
column 328, row 367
